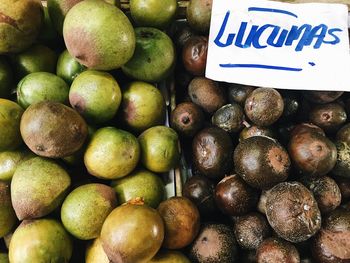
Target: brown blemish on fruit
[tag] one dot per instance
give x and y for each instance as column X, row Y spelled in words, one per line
column 81, row 45
column 8, row 20
column 329, row 238
column 279, row 160
column 107, row 193
column 77, row 102
column 68, row 4
column 129, row 110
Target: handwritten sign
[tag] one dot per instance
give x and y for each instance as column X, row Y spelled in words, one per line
column 279, row 45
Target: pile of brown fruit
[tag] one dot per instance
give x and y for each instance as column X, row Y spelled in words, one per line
column 85, row 149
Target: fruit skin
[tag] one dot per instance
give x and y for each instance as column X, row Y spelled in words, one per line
column 140, row 184
column 207, row 94
column 342, row 166
column 229, row 117
column 95, row 95
column 142, row 107
column 95, row 253
column 6, row 78
column 322, row 97
column 198, row 14
column 9, row 161
column 85, row 209
column 277, row 250
column 132, row 233
column 331, row 244
column 194, row 55
column 68, row 68
column 264, row 106
column 112, row 153
column 4, row 258
column 20, row 24
column 38, row 187
column 261, row 162
column 312, row 153
column 51, row 129
column 154, row 56
column 37, row 58
column 7, row 214
column 41, row 240
column 212, row 150
column 214, row 243
column 292, row 211
column 159, row 149
column 103, row 43
column 181, row 221
column 153, row 13
column 10, row 117
column 169, row 256
column 41, row 86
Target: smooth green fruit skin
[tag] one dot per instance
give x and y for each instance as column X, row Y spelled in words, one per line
column 41, row 86
column 37, row 58
column 4, row 258
column 153, row 13
column 7, row 214
column 95, row 95
column 132, row 233
column 143, row 106
column 10, row 117
column 141, row 183
column 9, row 161
column 95, row 253
column 112, row 153
column 6, row 78
column 154, row 57
column 21, row 23
column 99, row 35
column 169, row 256
column 159, row 149
column 40, row 241
column 85, row 209
column 38, row 187
column 68, row 68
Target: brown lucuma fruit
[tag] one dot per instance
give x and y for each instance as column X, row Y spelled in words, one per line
column 292, row 211
column 51, row 129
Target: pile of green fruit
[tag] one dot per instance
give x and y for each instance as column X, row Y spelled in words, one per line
column 85, row 148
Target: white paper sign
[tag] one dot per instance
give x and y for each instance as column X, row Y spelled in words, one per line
column 279, row 45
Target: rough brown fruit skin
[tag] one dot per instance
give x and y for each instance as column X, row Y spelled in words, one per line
column 331, row 244
column 51, row 129
column 194, row 55
column 187, row 119
column 234, row 197
column 229, row 117
column 264, row 106
column 251, row 229
column 7, row 214
column 330, row 117
column 214, row 243
column 238, row 93
column 325, row 191
column 198, row 14
column 292, row 211
column 207, row 94
column 306, row 127
column 343, row 134
column 256, row 131
column 212, row 152
column 20, row 23
column 38, row 187
column 312, row 153
column 132, row 234
column 321, row 97
column 273, row 250
column 342, row 167
column 261, row 162
column 181, row 221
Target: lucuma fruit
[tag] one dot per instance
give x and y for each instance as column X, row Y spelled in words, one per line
column 95, row 95
column 98, row 35
column 7, row 214
column 95, row 253
column 68, row 68
column 9, row 161
column 40, row 241
column 85, row 209
column 41, row 86
column 10, row 117
column 38, row 187
column 20, row 23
